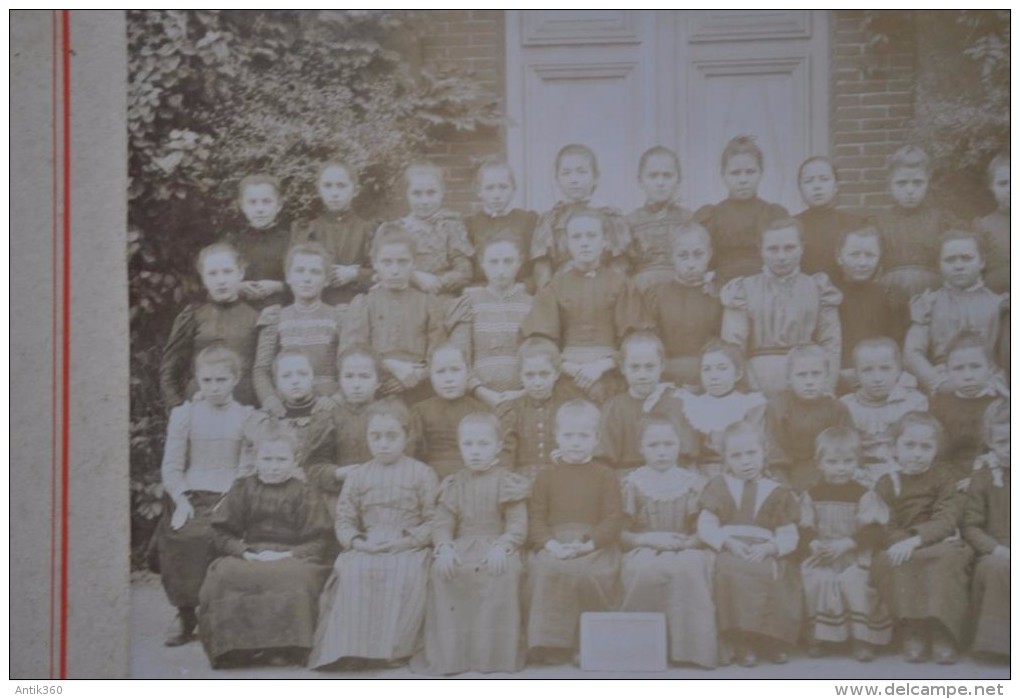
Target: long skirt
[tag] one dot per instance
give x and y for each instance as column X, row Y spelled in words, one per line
column 372, row 606
column 990, row 599
column 559, row 591
column 932, row 584
column 185, row 553
column 678, row 584
column 473, row 621
column 259, row 605
column 842, row 603
column 763, row 598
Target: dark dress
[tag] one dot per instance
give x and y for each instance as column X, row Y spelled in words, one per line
column 869, row 310
column 685, row 318
column 436, row 421
column 528, row 427
column 194, row 329
column 933, row 583
column 910, row 247
column 986, row 526
column 736, row 226
column 259, row 605
column 348, row 237
column 264, row 251
column 517, row 225
column 823, row 227
column 791, row 427
column 962, row 419
column 994, row 229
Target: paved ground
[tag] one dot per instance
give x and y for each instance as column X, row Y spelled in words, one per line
column 151, row 616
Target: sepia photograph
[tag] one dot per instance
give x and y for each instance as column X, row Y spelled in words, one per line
column 562, row 344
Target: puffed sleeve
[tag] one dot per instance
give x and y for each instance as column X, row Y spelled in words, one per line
column 460, row 253
column 175, row 451
column 828, row 332
column 607, row 531
column 918, row 340
column 444, row 521
column 618, row 236
column 514, row 490
column 785, row 515
column 265, row 352
column 315, row 534
column 735, row 323
column 629, row 311
column 543, row 241
column 229, row 519
column 250, row 429
column 703, row 214
column 175, row 367
column 714, row 505
column 544, row 316
column 355, row 329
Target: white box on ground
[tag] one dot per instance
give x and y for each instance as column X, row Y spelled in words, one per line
column 623, row 642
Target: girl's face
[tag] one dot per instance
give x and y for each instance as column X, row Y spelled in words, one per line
column 642, row 368
column 538, row 376
column 742, row 175
column 216, row 383
column 818, row 184
column 998, row 442
column 386, row 438
column 576, row 437
column 859, row 256
column 336, row 188
column 496, row 189
column 260, row 203
column 877, row 371
column 961, row 263
column 394, row 264
column 359, row 379
column 781, row 251
column 719, row 375
column 585, row 241
column 500, row 262
column 692, row 252
column 1000, row 187
column 222, row 276
column 449, row 374
column 909, row 186
column 660, row 447
column 916, row 449
column 969, row 370
column 744, row 456
column 808, row 377
column 275, row 461
column 306, row 277
column 659, row 179
column 294, row 378
column 424, row 194
column 576, row 177
column 838, row 465
column 479, row 446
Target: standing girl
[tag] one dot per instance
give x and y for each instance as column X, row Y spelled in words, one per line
column 577, row 176
column 652, row 225
column 374, row 602
column 737, row 222
column 224, row 318
column 341, row 231
column 823, row 224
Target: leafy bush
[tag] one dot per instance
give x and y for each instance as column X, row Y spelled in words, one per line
column 216, row 95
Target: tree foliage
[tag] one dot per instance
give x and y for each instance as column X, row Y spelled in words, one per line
column 215, row 95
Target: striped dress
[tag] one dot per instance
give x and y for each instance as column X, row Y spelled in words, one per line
column 374, row 603
column 314, row 330
column 842, row 602
column 495, row 329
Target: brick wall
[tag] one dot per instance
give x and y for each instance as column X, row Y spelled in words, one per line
column 471, row 40
column 872, row 93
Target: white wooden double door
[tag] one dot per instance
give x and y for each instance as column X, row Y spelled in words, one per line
column 621, row 81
